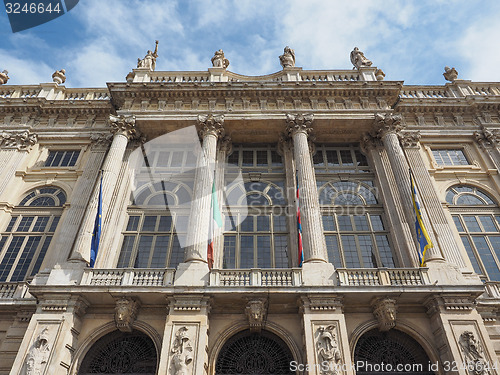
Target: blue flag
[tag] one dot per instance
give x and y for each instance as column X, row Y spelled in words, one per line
column 96, row 234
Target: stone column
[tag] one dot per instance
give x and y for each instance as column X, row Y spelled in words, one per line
column 441, row 226
column 388, row 189
column 195, row 258
column 51, row 337
column 299, row 127
column 286, row 149
column 387, row 128
column 458, row 328
column 14, row 146
column 185, row 340
column 325, row 335
column 223, row 151
column 123, row 129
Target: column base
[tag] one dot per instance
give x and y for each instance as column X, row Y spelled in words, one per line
column 69, row 273
column 443, row 273
column 318, row 274
column 192, row 274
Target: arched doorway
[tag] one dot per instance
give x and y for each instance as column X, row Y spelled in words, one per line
column 391, row 352
column 121, row 353
column 249, row 353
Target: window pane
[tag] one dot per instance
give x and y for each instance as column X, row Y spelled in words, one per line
column 332, row 248
column 40, row 224
column 488, row 224
column 318, row 159
column 263, row 224
column 177, row 253
column 229, row 259
column 159, row 259
column 262, row 158
column 128, row 245
column 280, row 251
column 279, row 223
column 233, row 158
column 133, row 222
column 377, row 223
column 66, row 159
column 332, row 158
column 177, row 157
column 25, row 258
column 10, row 256
column 328, row 223
column 246, row 252
column 360, row 158
column 74, row 158
column 384, row 251
column 264, row 251
column 367, row 252
column 247, row 159
column 486, row 257
column 41, row 255
column 149, row 223
column 346, row 157
column 460, row 228
column 276, row 158
column 11, row 224
column 344, row 223
column 468, row 199
column 143, row 251
column 472, row 255
column 57, row 159
column 471, row 224
column 165, row 224
column 229, row 223
column 350, row 252
column 55, row 221
column 247, row 224
column 361, row 223
column 25, row 224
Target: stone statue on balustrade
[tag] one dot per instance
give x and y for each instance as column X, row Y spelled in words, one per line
column 450, row 74
column 149, row 61
column 4, row 77
column 219, row 61
column 359, row 60
column 59, row 76
column 287, row 60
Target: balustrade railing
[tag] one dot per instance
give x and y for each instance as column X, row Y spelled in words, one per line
column 14, row 290
column 257, row 277
column 383, row 276
column 129, row 277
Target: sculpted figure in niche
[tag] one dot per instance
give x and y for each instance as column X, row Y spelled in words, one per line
column 149, row 61
column 219, row 61
column 182, row 353
column 328, row 350
column 473, row 354
column 358, row 59
column 287, row 60
column 38, row 355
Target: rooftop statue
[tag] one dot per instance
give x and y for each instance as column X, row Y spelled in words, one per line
column 358, row 59
column 59, row 76
column 149, row 61
column 4, row 77
column 450, row 74
column 287, row 60
column 219, row 61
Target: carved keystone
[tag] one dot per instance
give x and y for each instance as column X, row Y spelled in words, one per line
column 126, row 313
column 256, row 312
column 384, row 310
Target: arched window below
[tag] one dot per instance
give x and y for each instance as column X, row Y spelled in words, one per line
column 25, row 241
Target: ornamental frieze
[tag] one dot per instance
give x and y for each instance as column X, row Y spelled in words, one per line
column 22, row 141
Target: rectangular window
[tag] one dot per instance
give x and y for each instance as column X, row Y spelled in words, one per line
column 62, row 158
column 450, row 157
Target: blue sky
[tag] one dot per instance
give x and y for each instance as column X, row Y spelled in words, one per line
column 99, row 41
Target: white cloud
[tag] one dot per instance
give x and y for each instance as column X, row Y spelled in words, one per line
column 23, row 71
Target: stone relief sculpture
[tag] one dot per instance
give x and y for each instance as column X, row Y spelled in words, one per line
column 328, row 350
column 182, row 353
column 450, row 74
column 385, row 312
column 219, row 61
column 473, row 354
column 20, row 141
column 256, row 311
column 359, row 60
column 4, row 77
column 38, row 355
column 149, row 61
column 59, row 76
column 125, row 314
column 287, row 60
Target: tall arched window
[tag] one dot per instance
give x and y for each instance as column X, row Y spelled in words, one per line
column 355, row 233
column 157, row 225
column 477, row 219
column 27, row 237
column 261, row 239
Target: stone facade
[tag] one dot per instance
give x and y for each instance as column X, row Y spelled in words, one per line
column 59, row 147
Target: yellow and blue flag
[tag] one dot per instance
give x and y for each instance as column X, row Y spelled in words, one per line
column 96, row 234
column 424, row 241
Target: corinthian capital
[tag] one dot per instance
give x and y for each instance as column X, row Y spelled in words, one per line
column 299, row 123
column 21, row 141
column 387, row 123
column 211, row 125
column 487, row 137
column 124, row 125
column 409, row 139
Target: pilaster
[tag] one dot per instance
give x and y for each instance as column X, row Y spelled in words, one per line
column 185, row 340
column 325, row 335
column 224, row 149
column 489, row 140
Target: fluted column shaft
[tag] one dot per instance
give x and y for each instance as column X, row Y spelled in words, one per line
column 224, row 149
column 124, row 129
column 314, row 246
column 200, row 215
column 387, row 128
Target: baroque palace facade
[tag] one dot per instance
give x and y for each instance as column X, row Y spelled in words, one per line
column 151, row 305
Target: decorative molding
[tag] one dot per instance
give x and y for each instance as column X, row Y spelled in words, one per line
column 22, row 141
column 256, row 312
column 328, row 349
column 384, row 310
column 189, row 303
column 455, row 304
column 320, row 303
column 211, row 125
column 124, row 125
column 182, row 353
column 126, row 313
column 487, row 138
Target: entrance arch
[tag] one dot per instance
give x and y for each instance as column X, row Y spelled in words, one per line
column 121, row 353
column 392, row 349
column 248, row 353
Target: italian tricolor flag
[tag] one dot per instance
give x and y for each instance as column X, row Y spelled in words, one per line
column 215, row 222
